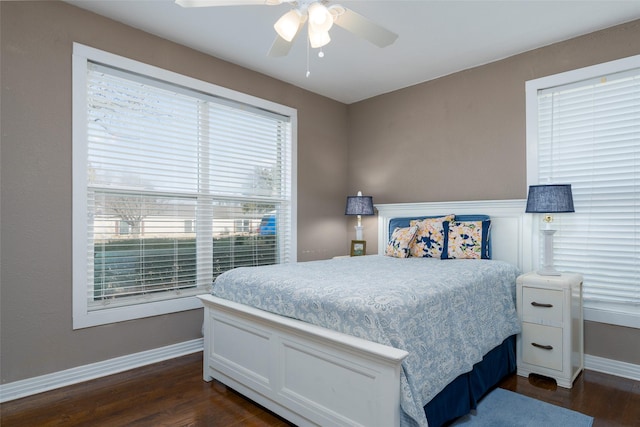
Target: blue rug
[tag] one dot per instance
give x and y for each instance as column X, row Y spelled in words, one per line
column 503, row 408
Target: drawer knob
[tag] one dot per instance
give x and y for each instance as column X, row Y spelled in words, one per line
column 544, row 347
column 539, row 304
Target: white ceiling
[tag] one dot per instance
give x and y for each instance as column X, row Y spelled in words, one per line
column 436, row 38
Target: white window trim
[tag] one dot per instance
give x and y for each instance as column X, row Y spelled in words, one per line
column 532, row 88
column 82, row 317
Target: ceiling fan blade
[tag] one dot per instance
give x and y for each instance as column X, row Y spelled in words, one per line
column 280, row 47
column 361, row 26
column 207, row 3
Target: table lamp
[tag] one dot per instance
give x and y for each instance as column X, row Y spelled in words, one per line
column 547, row 200
column 359, row 205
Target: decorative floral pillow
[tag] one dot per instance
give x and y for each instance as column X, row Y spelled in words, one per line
column 468, row 239
column 430, row 237
column 400, row 241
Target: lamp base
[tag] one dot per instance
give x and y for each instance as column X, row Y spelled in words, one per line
column 548, row 272
column 358, row 232
column 547, row 261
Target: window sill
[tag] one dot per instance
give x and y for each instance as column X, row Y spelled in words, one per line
column 106, row 316
column 612, row 318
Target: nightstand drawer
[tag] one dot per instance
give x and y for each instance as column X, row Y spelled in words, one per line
column 542, row 305
column 542, row 345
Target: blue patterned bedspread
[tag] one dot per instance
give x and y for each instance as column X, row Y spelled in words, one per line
column 445, row 313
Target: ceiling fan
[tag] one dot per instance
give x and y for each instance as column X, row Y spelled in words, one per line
column 320, row 19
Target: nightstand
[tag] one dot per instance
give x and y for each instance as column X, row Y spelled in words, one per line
column 550, row 310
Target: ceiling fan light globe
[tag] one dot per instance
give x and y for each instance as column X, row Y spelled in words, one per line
column 319, row 17
column 318, row 38
column 288, row 25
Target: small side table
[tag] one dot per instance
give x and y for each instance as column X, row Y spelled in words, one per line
column 550, row 310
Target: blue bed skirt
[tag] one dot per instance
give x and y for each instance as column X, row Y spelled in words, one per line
column 463, row 393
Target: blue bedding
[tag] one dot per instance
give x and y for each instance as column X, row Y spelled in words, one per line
column 445, row 313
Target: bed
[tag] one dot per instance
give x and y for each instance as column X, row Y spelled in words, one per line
column 313, row 375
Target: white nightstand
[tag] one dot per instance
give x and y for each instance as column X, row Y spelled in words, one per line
column 551, row 342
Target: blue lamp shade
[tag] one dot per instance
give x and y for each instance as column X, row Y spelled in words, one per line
column 554, row 198
column 359, row 205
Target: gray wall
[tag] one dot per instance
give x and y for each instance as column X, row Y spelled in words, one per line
column 36, row 41
column 462, row 137
column 380, row 146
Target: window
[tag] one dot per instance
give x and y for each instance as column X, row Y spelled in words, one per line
column 172, row 178
column 583, row 128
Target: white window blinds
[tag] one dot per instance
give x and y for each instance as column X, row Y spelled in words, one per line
column 180, row 185
column 589, row 137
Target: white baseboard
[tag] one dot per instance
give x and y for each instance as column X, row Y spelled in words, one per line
column 612, row 367
column 30, row 386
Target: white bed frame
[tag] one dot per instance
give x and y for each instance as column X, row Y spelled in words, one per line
column 313, row 376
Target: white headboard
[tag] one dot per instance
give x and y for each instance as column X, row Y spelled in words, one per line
column 511, row 229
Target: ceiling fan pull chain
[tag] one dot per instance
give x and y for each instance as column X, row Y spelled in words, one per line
column 308, row 43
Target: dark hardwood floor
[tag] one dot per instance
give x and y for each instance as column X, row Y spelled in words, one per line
column 172, row 393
